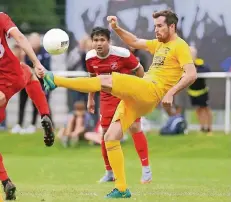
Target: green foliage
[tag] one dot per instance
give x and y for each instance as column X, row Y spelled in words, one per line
column 35, row 15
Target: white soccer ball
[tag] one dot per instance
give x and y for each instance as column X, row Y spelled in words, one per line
column 56, row 41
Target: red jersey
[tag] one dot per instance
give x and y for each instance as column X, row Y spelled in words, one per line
column 9, row 64
column 118, row 60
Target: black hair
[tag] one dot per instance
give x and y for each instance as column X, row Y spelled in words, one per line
column 101, row 31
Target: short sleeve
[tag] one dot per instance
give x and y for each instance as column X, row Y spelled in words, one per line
column 131, row 62
column 6, row 23
column 89, row 67
column 183, row 54
column 151, row 44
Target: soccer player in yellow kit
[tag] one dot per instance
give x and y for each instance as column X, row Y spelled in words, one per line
column 139, row 96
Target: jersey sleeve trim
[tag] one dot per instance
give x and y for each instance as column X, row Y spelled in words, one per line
column 90, row 54
column 9, row 30
column 136, row 67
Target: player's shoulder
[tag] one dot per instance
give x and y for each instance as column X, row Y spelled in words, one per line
column 3, row 15
column 181, row 42
column 91, row 54
column 119, row 51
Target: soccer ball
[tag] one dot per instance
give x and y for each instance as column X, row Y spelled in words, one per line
column 56, row 41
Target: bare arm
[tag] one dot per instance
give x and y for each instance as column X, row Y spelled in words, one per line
column 91, row 95
column 26, row 47
column 139, row 71
column 91, row 99
column 24, row 44
column 70, row 126
column 130, row 39
column 127, row 37
column 189, row 77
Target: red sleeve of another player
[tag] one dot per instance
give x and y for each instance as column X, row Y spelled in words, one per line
column 6, row 22
column 89, row 67
column 131, row 62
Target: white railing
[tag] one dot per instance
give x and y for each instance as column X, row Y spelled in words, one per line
column 214, row 75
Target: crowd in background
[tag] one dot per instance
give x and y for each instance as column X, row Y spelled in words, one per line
column 81, row 124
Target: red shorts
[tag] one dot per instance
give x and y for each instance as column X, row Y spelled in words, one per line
column 12, row 86
column 106, row 121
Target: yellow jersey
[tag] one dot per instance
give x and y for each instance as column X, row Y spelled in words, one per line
column 168, row 61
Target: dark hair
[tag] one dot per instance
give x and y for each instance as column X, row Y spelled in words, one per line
column 171, row 17
column 101, row 31
column 79, row 105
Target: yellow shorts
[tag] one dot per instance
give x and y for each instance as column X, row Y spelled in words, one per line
column 138, row 98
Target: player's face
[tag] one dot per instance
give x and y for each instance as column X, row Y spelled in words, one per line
column 162, row 30
column 101, row 44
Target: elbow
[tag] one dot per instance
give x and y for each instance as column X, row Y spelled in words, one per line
column 193, row 77
column 20, row 39
column 133, row 43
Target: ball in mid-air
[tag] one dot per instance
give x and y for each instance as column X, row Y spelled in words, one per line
column 56, row 41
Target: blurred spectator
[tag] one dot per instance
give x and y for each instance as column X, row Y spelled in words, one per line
column 44, row 57
column 78, row 125
column 85, row 46
column 74, row 62
column 199, row 95
column 141, row 56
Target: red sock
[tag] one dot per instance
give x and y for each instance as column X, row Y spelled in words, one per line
column 105, row 157
column 141, row 146
column 36, row 94
column 3, row 173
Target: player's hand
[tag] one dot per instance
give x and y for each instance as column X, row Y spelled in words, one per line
column 167, row 101
column 39, row 70
column 91, row 106
column 113, row 21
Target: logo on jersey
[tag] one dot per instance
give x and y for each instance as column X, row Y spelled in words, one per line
column 95, row 67
column 114, row 65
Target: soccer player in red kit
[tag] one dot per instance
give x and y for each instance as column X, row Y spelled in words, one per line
column 14, row 76
column 105, row 59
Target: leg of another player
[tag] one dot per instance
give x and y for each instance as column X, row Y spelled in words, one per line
column 109, row 176
column 93, row 137
column 38, row 97
column 2, row 99
column 199, row 113
column 209, row 119
column 3, row 102
column 116, row 158
column 141, row 146
column 9, row 187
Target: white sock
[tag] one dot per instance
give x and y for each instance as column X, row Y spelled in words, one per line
column 146, row 169
column 109, row 172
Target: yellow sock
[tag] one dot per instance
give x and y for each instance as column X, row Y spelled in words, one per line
column 82, row 84
column 116, row 159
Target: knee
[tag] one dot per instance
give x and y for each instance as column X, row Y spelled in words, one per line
column 33, row 77
column 111, row 137
column 2, row 99
column 113, row 133
column 106, row 81
column 135, row 128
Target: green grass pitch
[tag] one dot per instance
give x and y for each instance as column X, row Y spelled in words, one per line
column 185, row 169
